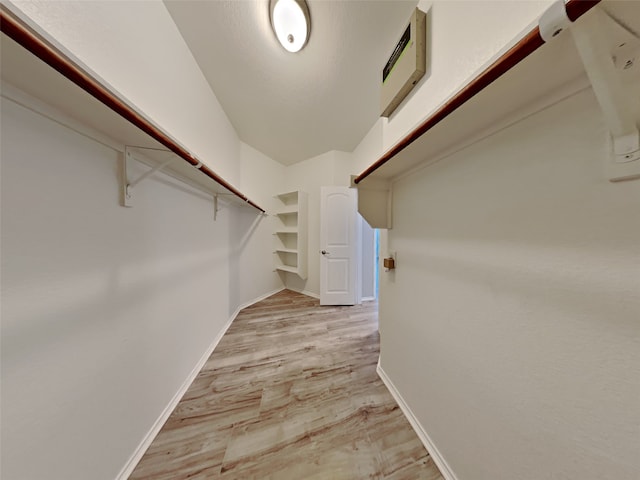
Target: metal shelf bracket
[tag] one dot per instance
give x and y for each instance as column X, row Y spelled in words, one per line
column 128, row 185
column 610, row 54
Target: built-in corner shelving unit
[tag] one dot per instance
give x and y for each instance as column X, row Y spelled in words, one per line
column 291, row 233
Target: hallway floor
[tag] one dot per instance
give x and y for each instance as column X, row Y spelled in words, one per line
column 290, row 392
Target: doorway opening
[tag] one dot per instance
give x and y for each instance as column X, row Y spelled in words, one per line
column 370, row 254
column 376, row 267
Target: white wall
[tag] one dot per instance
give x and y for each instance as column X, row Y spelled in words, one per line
column 464, row 36
column 510, row 326
column 106, row 310
column 368, row 150
column 526, row 307
column 137, row 49
column 251, row 234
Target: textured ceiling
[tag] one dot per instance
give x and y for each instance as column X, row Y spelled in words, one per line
column 294, row 106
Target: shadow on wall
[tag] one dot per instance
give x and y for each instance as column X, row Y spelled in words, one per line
column 244, row 222
column 250, row 256
column 44, row 325
column 496, row 267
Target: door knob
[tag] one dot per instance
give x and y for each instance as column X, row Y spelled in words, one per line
column 324, row 252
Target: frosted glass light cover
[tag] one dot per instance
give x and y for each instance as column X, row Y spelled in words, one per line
column 290, row 24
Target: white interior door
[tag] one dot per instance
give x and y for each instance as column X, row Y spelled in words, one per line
column 338, row 246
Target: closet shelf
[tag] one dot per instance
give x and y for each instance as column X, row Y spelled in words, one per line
column 489, row 102
column 72, row 88
column 287, row 250
column 288, row 268
column 464, row 113
column 287, row 196
column 293, row 210
column 291, row 233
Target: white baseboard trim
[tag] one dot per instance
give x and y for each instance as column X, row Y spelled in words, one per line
column 131, row 464
column 310, row 294
column 255, row 300
column 438, row 459
column 368, row 299
column 305, row 292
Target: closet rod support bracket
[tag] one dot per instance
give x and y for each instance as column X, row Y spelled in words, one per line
column 128, row 185
column 553, row 21
column 608, row 52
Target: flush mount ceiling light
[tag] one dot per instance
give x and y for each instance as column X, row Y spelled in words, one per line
column 291, row 23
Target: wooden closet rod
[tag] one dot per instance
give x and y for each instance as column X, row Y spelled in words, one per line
column 526, row 46
column 23, row 34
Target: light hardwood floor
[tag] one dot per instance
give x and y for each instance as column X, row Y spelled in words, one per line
column 291, row 392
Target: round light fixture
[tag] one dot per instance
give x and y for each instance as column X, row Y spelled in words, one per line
column 291, row 23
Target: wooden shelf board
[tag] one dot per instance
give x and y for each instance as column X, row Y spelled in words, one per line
column 24, row 73
column 287, row 268
column 287, row 250
column 287, row 195
column 289, row 211
column 548, row 70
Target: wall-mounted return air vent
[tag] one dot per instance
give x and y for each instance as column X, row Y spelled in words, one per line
column 406, row 65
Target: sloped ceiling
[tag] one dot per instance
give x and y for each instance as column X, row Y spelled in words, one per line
column 294, row 106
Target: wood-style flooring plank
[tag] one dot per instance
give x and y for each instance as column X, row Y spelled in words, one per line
column 290, row 392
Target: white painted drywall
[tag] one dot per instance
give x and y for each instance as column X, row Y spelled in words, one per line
column 368, row 150
column 251, row 234
column 510, row 327
column 105, row 310
column 463, row 37
column 137, row 49
column 511, row 324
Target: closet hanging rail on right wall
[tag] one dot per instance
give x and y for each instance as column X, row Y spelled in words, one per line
column 540, row 69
